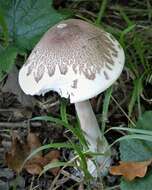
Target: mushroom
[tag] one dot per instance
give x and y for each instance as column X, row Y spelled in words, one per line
column 79, row 61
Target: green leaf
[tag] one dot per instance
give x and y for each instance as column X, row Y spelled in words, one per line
column 135, row 150
column 138, row 184
column 7, row 59
column 28, row 20
column 76, row 131
column 138, row 150
column 145, row 122
column 125, row 32
column 3, row 25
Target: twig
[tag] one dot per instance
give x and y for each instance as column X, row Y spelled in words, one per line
column 81, row 186
column 115, row 108
column 123, row 111
column 23, row 124
column 65, row 173
column 47, row 104
column 113, row 188
column 32, row 182
column 10, row 109
column 61, row 172
column 84, row 11
column 60, row 182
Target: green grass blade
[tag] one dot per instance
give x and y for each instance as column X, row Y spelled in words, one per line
column 50, row 119
column 80, row 135
column 132, row 130
column 125, row 32
column 136, row 136
column 55, row 165
column 101, row 12
column 63, row 111
column 82, row 160
column 135, row 96
column 105, row 107
column 125, row 17
column 48, row 146
column 75, row 130
column 133, row 136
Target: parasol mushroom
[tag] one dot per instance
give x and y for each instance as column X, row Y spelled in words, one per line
column 79, row 61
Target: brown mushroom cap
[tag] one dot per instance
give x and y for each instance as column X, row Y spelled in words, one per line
column 74, row 58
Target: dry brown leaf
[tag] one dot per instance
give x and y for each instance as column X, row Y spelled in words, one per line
column 33, row 169
column 37, row 160
column 19, row 151
column 33, row 142
column 56, row 170
column 130, row 170
column 35, row 165
column 17, row 154
column 53, row 156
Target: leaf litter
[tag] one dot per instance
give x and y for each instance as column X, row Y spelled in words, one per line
column 20, row 150
column 131, row 170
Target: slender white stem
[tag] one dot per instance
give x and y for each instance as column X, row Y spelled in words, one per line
column 96, row 140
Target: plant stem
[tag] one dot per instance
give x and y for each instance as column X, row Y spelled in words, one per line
column 92, row 132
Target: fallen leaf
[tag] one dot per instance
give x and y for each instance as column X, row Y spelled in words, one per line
column 17, row 154
column 130, row 170
column 53, row 156
column 19, row 151
column 33, row 169
column 38, row 160
column 35, row 165
column 33, row 142
column 56, row 170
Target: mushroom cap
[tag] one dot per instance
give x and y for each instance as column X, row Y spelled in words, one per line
column 75, row 59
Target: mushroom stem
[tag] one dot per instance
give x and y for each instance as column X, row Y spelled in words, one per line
column 96, row 141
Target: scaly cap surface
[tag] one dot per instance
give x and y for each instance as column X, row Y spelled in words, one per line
column 75, row 59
